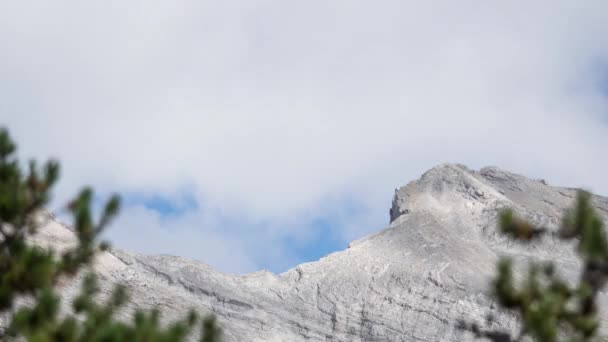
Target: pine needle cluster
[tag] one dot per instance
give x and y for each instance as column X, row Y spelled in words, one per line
column 29, row 273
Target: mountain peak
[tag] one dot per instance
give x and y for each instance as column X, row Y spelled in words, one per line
column 411, row 281
column 443, row 186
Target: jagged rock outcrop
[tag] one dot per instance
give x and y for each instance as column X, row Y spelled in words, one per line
column 411, row 281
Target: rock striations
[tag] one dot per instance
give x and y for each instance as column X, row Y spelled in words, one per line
column 411, row 281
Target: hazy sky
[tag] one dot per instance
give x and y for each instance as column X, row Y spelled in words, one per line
column 260, row 134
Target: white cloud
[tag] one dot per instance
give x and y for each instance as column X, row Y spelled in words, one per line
column 275, row 110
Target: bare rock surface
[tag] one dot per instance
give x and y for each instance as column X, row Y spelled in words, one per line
column 411, row 281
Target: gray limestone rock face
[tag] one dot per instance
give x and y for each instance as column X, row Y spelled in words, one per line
column 411, row 281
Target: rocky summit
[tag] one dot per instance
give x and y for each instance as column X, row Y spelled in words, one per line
column 411, row 281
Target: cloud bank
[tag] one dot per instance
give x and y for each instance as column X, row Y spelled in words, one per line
column 272, row 116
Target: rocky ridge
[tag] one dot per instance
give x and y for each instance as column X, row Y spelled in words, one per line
column 409, row 282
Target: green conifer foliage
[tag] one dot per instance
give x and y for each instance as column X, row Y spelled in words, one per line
column 549, row 307
column 31, row 272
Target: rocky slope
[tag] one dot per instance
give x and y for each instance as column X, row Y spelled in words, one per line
column 409, row 282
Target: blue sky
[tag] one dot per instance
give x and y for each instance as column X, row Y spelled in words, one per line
column 317, row 235
column 262, row 134
column 163, row 206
